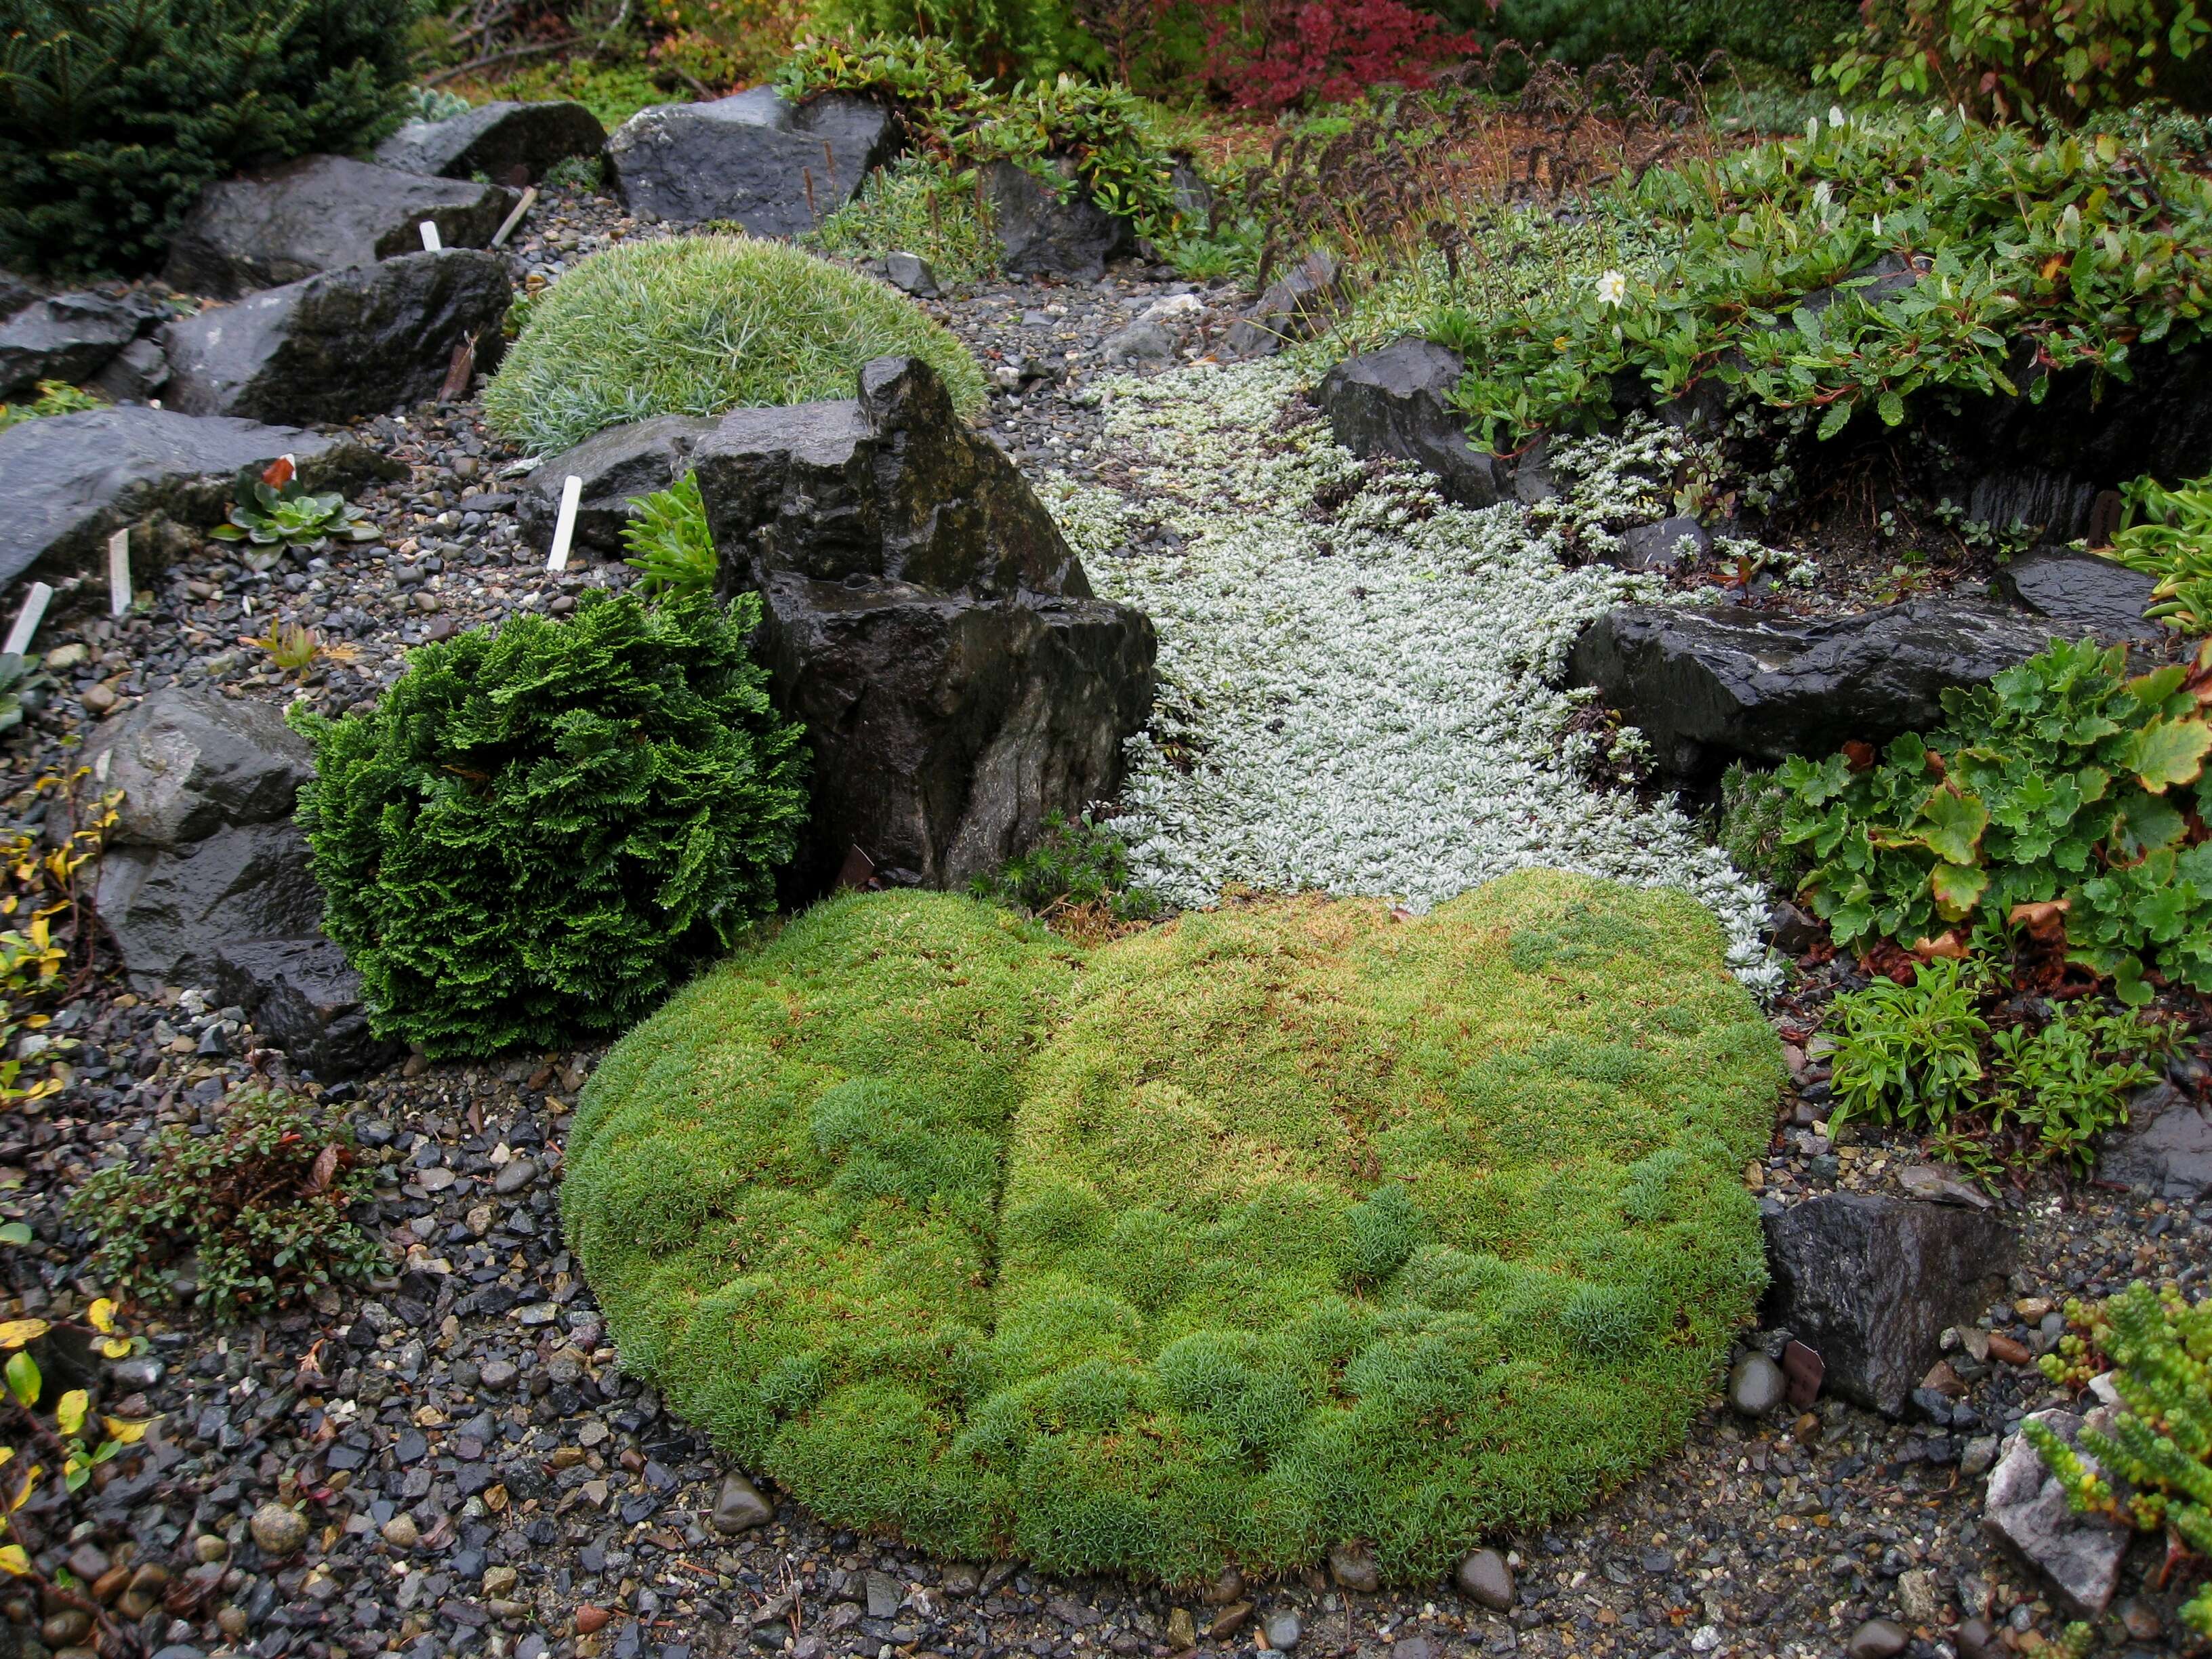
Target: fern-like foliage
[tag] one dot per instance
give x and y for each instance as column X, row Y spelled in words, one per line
column 2161, row 1443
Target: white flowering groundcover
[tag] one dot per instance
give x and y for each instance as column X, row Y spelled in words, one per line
column 1358, row 682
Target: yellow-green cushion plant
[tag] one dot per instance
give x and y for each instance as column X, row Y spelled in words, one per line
column 1273, row 1228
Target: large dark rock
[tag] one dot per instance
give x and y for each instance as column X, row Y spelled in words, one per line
column 927, row 622
column 203, row 851
column 1870, row 1282
column 293, row 220
column 1048, row 232
column 2080, row 593
column 15, row 293
column 69, row 482
column 776, row 169
column 1395, row 402
column 348, row 342
column 1708, row 686
column 616, row 466
column 71, row 337
column 2166, row 1151
column 300, row 995
column 507, row 143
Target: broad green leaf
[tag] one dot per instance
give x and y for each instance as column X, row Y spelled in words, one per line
column 2167, row 752
column 1892, row 409
column 2148, row 823
column 1955, row 825
column 23, row 1378
column 15, row 1232
column 1958, row 888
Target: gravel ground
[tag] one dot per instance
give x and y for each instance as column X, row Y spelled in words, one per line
column 466, row 1471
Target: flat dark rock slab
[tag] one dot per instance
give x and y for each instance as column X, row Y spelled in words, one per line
column 753, row 158
column 2081, row 593
column 506, row 141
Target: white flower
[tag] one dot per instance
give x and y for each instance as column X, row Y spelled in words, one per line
column 1612, row 288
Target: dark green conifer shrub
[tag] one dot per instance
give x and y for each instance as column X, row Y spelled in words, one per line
column 1264, row 1229
column 540, row 828
column 113, row 113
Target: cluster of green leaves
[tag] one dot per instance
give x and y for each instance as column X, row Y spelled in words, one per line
column 1786, row 33
column 55, row 397
column 1923, row 1056
column 2160, row 1349
column 995, row 40
column 543, row 827
column 918, row 204
column 2061, row 252
column 113, row 113
column 276, row 517
column 2062, row 794
column 2059, row 58
column 1080, row 865
column 2167, row 533
column 1268, row 1228
column 668, row 541
column 699, row 324
column 256, row 1213
column 1102, row 133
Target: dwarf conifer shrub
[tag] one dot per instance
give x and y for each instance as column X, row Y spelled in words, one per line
column 540, row 828
column 113, row 113
column 701, row 325
column 1270, row 1228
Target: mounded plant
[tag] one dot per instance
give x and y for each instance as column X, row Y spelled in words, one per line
column 1272, row 1227
column 113, row 113
column 540, row 829
column 699, row 324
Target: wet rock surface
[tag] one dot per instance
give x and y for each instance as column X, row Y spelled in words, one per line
column 285, row 223
column 71, row 337
column 510, row 143
column 1395, row 402
column 753, row 158
column 474, row 1463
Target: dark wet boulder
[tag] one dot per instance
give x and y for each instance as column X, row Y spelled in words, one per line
column 69, row 482
column 2079, row 593
column 71, row 337
column 361, row 341
column 1870, row 1282
column 775, row 169
column 1052, row 230
column 1708, row 686
column 927, row 622
column 507, row 143
column 302, row 996
column 1396, row 403
column 617, row 466
column 287, row 222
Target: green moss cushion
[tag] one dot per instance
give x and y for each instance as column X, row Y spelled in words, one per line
column 1276, row 1227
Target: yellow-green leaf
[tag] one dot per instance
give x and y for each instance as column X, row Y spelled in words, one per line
column 14, row 1560
column 23, row 1379
column 127, row 1434
column 17, row 1331
column 2167, row 752
column 1952, row 825
column 1958, row 889
column 115, row 1347
column 69, row 1409
column 100, row 1315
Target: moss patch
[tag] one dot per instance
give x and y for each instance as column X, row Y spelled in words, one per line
column 1274, row 1227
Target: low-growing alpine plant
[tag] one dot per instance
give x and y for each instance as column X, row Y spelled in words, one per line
column 2063, row 803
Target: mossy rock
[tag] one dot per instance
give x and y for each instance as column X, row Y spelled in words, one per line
column 1275, row 1227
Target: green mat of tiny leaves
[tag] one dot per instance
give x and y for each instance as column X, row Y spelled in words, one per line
column 1275, row 1227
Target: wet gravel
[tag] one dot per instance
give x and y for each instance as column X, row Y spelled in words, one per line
column 458, row 1465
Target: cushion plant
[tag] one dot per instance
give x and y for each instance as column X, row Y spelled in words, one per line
column 1271, row 1228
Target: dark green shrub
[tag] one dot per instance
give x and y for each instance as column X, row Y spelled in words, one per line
column 540, row 828
column 1073, row 866
column 2061, row 806
column 256, row 1214
column 1787, row 34
column 1274, row 1227
column 113, row 113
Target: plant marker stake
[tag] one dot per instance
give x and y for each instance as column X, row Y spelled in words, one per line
column 27, row 620
column 564, row 527
column 430, row 242
column 507, row 228
column 119, row 572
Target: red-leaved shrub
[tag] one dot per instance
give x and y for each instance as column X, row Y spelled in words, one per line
column 1269, row 54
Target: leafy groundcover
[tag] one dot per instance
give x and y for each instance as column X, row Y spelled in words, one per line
column 1291, row 1224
